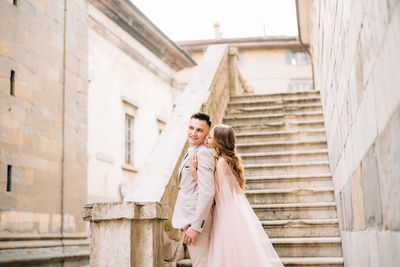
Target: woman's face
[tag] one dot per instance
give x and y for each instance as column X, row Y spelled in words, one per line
column 210, row 142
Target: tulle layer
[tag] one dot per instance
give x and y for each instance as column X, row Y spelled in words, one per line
column 237, row 237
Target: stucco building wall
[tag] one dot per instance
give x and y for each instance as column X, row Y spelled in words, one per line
column 265, row 66
column 267, row 70
column 116, row 76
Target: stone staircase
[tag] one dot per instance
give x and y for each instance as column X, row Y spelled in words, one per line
column 282, row 143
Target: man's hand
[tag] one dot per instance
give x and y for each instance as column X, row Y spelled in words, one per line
column 191, row 236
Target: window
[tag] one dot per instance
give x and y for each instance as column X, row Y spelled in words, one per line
column 12, row 83
column 129, row 127
column 14, row 2
column 300, row 85
column 130, row 110
column 297, row 58
column 9, row 176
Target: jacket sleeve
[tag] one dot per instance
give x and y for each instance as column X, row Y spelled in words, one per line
column 206, row 188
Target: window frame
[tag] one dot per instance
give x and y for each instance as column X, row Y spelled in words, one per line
column 129, row 139
column 130, row 113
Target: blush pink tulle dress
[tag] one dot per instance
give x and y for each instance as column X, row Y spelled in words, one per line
column 237, row 237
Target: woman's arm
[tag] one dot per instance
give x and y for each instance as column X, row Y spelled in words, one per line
column 193, row 165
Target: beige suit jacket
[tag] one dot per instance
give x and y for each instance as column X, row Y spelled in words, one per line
column 195, row 198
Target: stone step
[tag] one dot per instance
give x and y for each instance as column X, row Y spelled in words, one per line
column 286, row 95
column 279, row 126
column 285, row 156
column 266, row 118
column 184, row 263
column 290, row 195
column 280, row 135
column 286, row 168
column 294, row 262
column 234, row 104
column 302, row 228
column 281, row 145
column 313, row 261
column 289, row 181
column 308, row 247
column 286, row 109
column 294, row 211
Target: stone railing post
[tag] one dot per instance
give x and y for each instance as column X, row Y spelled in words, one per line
column 233, row 71
column 237, row 85
column 126, row 233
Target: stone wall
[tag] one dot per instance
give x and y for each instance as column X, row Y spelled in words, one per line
column 43, row 130
column 356, row 62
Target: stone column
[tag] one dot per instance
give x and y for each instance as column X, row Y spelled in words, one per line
column 126, row 233
column 234, row 87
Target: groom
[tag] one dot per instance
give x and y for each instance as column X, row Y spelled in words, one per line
column 193, row 206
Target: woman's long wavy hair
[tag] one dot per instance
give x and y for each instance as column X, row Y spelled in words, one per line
column 225, row 141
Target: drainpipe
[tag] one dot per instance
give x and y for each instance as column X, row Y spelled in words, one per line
column 63, row 128
column 307, row 50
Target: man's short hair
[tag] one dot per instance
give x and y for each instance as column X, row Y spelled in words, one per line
column 202, row 116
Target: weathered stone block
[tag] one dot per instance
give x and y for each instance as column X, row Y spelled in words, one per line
column 373, row 248
column 23, row 91
column 126, row 233
column 388, row 156
column 357, row 200
column 371, row 190
column 3, row 47
column 41, row 3
column 359, row 249
column 347, row 207
column 389, row 245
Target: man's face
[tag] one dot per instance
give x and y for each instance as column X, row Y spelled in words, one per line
column 197, row 131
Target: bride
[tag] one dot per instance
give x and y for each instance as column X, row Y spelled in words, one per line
column 237, row 237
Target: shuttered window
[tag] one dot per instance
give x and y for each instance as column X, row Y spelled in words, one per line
column 297, row 58
column 129, row 144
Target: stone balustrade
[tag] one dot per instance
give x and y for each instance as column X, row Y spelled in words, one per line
column 126, row 233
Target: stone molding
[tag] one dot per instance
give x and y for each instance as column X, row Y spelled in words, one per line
column 113, row 38
column 124, row 210
column 126, row 15
column 244, row 43
column 130, row 102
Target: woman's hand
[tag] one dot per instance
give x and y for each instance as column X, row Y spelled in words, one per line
column 193, row 164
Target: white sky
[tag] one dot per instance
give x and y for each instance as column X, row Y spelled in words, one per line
column 192, row 20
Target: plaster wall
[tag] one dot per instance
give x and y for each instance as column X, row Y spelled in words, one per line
column 115, row 74
column 266, row 70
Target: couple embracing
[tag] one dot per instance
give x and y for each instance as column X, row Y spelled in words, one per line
column 218, row 223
